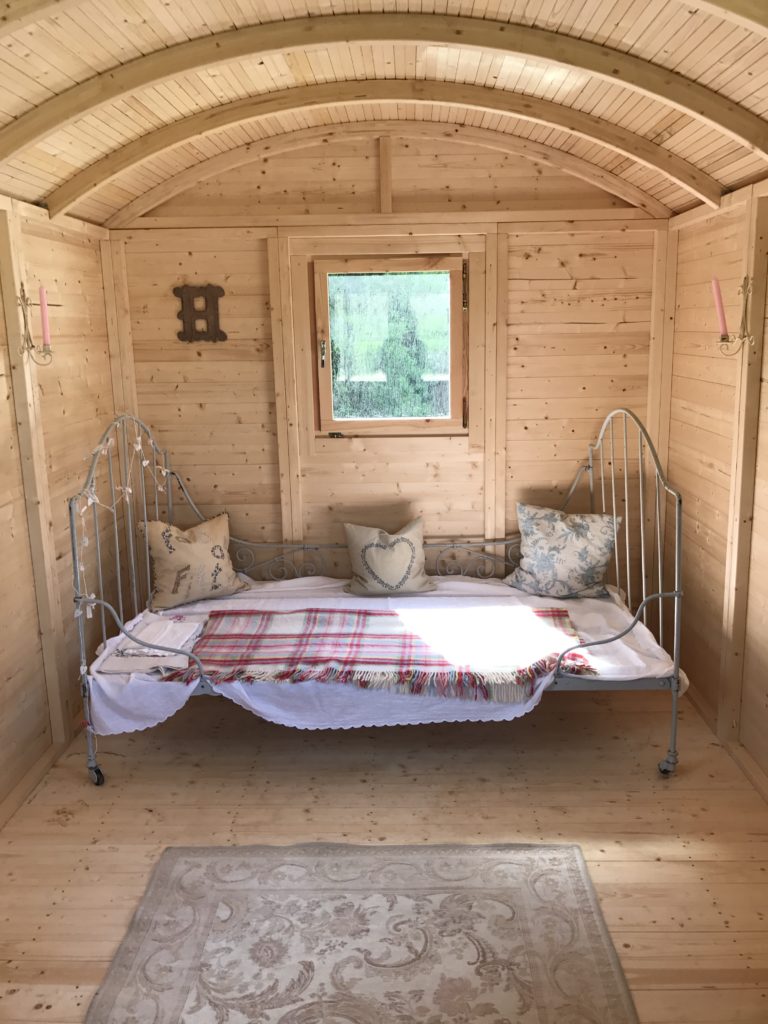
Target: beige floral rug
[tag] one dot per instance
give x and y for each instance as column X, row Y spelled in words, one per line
column 325, row 934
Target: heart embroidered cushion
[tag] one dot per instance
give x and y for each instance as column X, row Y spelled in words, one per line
column 385, row 564
column 191, row 565
column 563, row 555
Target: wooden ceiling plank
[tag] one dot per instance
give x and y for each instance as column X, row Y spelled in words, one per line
column 440, row 30
column 17, row 14
column 749, row 14
column 311, row 136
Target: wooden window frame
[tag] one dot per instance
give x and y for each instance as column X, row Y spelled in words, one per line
column 457, row 422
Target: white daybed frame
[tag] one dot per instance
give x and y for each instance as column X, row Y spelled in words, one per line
column 131, row 481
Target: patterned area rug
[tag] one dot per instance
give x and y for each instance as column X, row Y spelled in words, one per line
column 324, row 934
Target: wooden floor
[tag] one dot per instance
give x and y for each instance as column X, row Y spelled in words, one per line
column 680, row 865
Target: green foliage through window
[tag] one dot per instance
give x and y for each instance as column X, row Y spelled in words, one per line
column 390, row 345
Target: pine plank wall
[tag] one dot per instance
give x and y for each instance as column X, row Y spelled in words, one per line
column 573, row 311
column 76, row 399
column 26, row 729
column 543, row 303
column 72, row 401
column 753, row 719
column 701, row 434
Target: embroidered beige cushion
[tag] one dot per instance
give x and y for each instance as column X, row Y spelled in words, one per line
column 191, row 565
column 385, row 564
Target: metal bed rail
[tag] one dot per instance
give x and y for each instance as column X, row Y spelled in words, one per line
column 131, row 482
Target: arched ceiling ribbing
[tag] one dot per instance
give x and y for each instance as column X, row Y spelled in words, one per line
column 435, row 30
column 700, row 185
column 669, row 97
column 302, row 138
column 15, row 14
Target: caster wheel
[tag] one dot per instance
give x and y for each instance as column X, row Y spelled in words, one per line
column 666, row 769
column 97, row 776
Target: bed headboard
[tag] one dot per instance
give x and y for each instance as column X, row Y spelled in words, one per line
column 626, row 480
column 131, row 481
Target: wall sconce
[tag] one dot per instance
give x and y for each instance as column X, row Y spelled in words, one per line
column 731, row 344
column 40, row 354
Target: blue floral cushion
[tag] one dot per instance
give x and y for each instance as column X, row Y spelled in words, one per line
column 563, row 555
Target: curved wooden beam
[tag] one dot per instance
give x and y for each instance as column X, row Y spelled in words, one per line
column 474, row 97
column 629, row 71
column 750, row 14
column 461, row 134
column 15, row 14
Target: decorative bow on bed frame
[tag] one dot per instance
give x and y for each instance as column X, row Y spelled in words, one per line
column 131, row 482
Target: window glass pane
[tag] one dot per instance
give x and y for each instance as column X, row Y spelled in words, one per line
column 390, row 345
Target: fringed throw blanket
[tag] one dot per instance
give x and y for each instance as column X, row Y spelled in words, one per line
column 435, row 653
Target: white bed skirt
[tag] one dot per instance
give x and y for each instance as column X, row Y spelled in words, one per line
column 119, row 708
column 121, row 703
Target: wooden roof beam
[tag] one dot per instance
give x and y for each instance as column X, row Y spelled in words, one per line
column 630, row 72
column 473, row 97
column 16, row 14
column 300, row 139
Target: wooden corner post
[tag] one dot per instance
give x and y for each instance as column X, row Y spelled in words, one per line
column 286, row 403
column 664, row 285
column 34, row 472
column 743, row 466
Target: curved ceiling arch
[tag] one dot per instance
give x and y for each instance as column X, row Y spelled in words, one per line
column 635, row 73
column 461, row 134
column 750, row 14
column 476, row 97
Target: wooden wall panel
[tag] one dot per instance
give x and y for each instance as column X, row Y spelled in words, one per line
column 341, row 177
column 211, row 404
column 25, row 732
column 578, row 330
column 430, row 175
column 753, row 732
column 424, row 176
column 702, row 425
column 387, row 481
column 576, row 342
column 75, row 392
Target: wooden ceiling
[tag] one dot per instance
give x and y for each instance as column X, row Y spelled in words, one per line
column 103, row 102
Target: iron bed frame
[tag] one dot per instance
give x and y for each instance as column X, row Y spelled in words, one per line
column 130, row 482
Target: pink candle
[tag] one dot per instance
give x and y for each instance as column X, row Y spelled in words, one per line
column 44, row 320
column 719, row 308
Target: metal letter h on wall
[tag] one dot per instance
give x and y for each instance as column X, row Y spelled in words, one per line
column 199, row 312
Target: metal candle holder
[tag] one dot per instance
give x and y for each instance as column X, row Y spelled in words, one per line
column 732, row 344
column 42, row 355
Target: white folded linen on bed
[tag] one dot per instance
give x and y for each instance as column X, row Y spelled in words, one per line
column 125, row 703
column 172, row 630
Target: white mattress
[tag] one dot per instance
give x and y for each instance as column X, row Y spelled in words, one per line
column 122, row 703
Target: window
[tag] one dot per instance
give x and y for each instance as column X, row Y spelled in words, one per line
column 390, row 345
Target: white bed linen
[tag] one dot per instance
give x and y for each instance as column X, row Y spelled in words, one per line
column 122, row 703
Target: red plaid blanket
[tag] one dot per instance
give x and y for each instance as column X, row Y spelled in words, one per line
column 376, row 649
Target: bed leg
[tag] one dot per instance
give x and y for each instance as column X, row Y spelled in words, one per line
column 94, row 771
column 668, row 766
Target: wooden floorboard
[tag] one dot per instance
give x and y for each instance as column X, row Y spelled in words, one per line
column 680, row 865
